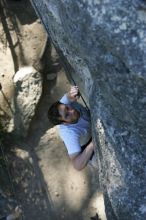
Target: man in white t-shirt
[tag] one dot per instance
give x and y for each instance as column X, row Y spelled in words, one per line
column 74, row 127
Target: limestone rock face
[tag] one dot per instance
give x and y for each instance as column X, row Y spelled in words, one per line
column 28, row 89
column 103, row 44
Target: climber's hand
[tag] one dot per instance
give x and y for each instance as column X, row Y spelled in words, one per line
column 73, row 94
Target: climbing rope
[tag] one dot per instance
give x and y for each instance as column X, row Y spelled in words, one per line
column 73, row 81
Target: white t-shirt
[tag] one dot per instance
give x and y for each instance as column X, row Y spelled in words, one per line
column 78, row 134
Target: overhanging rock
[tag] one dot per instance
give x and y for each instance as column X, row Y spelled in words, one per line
column 104, row 43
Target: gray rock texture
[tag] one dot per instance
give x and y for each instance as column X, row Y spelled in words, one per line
column 28, row 90
column 103, row 44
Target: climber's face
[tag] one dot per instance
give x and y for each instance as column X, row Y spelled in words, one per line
column 68, row 114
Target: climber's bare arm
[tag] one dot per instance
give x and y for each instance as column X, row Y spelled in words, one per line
column 80, row 160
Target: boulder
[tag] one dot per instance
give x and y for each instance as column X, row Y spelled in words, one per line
column 28, row 90
column 103, row 47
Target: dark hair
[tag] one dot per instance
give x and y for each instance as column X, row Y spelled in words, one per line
column 53, row 113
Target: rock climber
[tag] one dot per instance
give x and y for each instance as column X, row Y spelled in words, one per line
column 74, row 128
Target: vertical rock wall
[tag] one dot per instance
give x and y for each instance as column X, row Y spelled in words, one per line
column 104, row 44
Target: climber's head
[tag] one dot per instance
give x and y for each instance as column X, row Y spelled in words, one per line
column 60, row 113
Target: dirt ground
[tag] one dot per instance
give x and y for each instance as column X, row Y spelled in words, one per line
column 45, row 183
